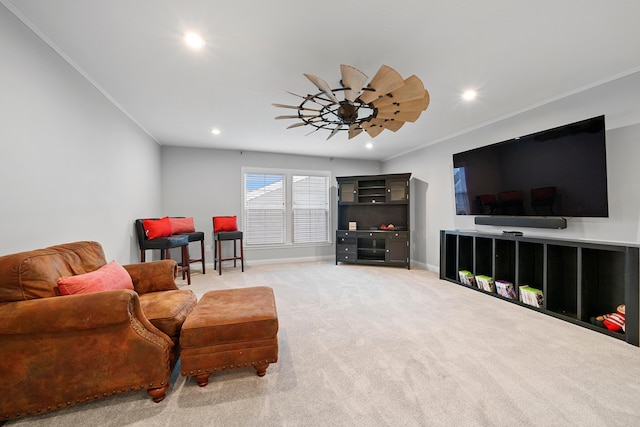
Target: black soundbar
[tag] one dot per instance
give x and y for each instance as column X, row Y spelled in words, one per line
column 522, row 221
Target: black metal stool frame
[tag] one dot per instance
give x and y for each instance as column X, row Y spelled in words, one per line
column 220, row 237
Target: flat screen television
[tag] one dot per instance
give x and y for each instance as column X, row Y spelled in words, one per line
column 557, row 172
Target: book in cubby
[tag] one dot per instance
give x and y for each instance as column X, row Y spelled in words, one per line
column 531, row 296
column 506, row 289
column 486, row 283
column 466, row 277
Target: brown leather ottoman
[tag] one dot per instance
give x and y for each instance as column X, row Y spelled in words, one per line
column 230, row 328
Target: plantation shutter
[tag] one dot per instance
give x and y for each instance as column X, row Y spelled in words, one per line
column 264, row 209
column 310, row 209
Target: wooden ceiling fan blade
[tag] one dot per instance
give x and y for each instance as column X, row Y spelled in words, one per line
column 372, row 129
column 333, row 132
column 406, row 112
column 295, row 125
column 295, row 94
column 404, row 116
column 354, row 79
column 323, row 86
column 387, row 112
column 386, row 80
column 315, row 130
column 417, row 104
column 295, row 107
column 391, row 124
column 412, row 89
column 309, row 98
column 354, row 130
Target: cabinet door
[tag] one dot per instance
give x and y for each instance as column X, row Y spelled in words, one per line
column 397, row 190
column 347, row 192
column 397, row 248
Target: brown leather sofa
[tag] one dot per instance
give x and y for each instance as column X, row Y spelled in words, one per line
column 58, row 351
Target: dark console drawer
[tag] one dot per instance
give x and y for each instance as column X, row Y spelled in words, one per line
column 345, row 233
column 346, row 249
column 347, row 240
column 347, row 256
column 402, row 235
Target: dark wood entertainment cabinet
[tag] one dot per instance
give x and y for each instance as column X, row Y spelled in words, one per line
column 368, row 201
column 579, row 279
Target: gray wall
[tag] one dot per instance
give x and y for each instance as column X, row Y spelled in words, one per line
column 74, row 167
column 432, row 168
column 202, row 183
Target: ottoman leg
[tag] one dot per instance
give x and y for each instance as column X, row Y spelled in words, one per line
column 203, row 379
column 158, row 393
column 261, row 369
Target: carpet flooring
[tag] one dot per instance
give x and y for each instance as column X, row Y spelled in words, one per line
column 383, row 346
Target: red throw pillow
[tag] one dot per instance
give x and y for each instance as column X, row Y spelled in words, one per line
column 224, row 223
column 109, row 277
column 182, row 225
column 155, row 228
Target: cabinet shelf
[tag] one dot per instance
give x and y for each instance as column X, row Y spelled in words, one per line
column 369, row 201
column 578, row 279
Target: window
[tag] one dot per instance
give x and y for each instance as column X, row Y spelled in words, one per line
column 285, row 207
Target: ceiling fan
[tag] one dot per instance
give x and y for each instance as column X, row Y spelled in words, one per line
column 387, row 102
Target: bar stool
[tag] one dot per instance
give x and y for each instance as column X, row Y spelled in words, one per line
column 164, row 244
column 194, row 236
column 225, row 228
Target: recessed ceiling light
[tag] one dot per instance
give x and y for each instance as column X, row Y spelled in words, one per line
column 469, row 95
column 369, row 145
column 193, row 40
column 215, row 131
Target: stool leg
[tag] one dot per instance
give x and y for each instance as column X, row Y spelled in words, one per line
column 241, row 255
column 215, row 253
column 219, row 258
column 202, row 254
column 186, row 264
column 235, row 253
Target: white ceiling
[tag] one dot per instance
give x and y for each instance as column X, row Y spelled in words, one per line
column 517, row 54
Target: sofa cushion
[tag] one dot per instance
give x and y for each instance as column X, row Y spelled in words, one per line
column 182, row 225
column 155, row 228
column 109, row 277
column 228, row 316
column 168, row 310
column 34, row 274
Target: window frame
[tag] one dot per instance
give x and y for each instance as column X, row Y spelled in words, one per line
column 288, row 215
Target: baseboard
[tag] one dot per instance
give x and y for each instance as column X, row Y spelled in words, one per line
column 524, row 221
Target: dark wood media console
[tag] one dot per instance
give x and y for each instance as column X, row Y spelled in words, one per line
column 366, row 203
column 578, row 279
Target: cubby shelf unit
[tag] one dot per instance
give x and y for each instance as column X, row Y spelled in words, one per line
column 579, row 279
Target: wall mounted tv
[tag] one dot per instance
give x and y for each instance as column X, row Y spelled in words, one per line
column 559, row 172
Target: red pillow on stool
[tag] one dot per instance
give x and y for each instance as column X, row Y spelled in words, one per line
column 182, row 225
column 224, row 223
column 155, row 228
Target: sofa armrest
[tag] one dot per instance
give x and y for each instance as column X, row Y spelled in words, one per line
column 74, row 313
column 153, row 276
